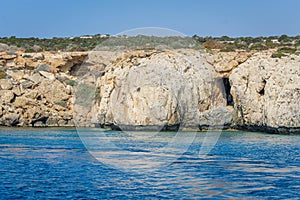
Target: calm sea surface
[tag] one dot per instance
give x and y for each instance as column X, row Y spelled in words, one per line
column 55, row 164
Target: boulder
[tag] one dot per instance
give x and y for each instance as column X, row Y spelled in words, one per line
column 17, row 90
column 47, row 75
column 4, row 47
column 36, row 114
column 26, row 84
column 10, row 119
column 31, row 94
column 53, row 90
column 45, row 67
column 5, row 84
column 65, row 61
column 17, row 75
column 23, row 102
column 6, row 96
column 7, row 56
column 10, row 64
column 38, row 56
column 36, row 78
column 219, row 117
column 52, row 121
column 225, row 62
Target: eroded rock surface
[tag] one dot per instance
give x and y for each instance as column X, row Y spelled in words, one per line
column 158, row 89
column 175, row 88
column 266, row 92
column 32, row 90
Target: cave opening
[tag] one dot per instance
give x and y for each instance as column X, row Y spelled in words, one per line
column 262, row 88
column 227, row 95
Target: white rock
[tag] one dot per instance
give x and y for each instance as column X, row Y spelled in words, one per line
column 167, row 88
column 17, row 75
column 5, row 84
column 6, row 96
column 38, row 56
column 47, row 75
column 266, row 91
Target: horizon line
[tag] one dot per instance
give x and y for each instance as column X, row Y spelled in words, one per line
column 118, row 35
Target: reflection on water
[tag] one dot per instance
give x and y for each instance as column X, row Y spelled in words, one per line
column 54, row 163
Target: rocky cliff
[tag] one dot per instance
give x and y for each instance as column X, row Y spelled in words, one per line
column 184, row 88
column 36, row 89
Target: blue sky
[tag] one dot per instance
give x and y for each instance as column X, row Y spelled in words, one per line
column 62, row 18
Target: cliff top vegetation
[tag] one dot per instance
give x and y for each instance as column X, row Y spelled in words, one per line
column 284, row 44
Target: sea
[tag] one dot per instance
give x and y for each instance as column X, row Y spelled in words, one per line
column 69, row 163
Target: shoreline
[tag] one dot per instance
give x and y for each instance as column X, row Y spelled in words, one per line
column 270, row 130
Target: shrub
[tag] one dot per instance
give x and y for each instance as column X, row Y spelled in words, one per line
column 88, row 43
column 29, row 50
column 228, row 48
column 270, row 44
column 62, row 103
column 2, row 74
column 277, row 55
column 241, row 46
column 283, row 38
column 258, row 46
column 26, row 55
column 213, row 44
column 97, row 93
column 287, row 50
column 71, row 82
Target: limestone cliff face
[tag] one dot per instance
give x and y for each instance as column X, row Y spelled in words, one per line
column 266, row 93
column 158, row 89
column 176, row 88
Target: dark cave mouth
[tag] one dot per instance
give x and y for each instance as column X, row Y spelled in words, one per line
column 226, row 93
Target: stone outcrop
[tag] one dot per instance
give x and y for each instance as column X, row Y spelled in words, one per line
column 175, row 89
column 266, row 93
column 158, row 89
column 225, row 62
column 37, row 88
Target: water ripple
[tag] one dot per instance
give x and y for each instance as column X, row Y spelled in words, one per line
column 54, row 164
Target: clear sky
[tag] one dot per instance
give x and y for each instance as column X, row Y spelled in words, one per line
column 63, row 18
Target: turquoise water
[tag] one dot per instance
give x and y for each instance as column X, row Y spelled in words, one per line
column 55, row 164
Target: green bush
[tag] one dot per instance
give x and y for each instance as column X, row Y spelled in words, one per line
column 144, row 42
column 270, row 44
column 71, row 82
column 287, row 50
column 2, row 74
column 62, row 103
column 242, row 46
column 26, row 55
column 97, row 93
column 229, row 48
column 283, row 51
column 277, row 55
column 29, row 50
column 283, row 38
column 258, row 46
